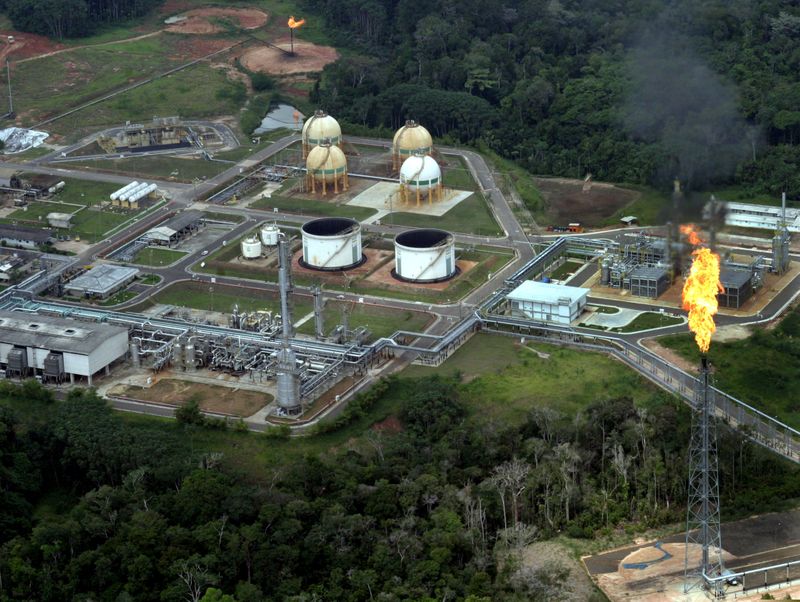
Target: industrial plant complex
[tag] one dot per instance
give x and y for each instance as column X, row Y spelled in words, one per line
column 290, row 296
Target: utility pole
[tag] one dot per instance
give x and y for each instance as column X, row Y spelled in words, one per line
column 10, row 98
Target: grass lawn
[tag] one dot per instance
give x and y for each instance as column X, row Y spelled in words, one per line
column 312, row 207
column 457, row 175
column 605, row 309
column 566, row 268
column 155, row 256
column 235, row 218
column 762, row 370
column 650, row 208
column 187, row 169
column 380, row 321
column 118, row 297
column 222, row 298
column 150, row 279
column 470, row 216
column 211, row 398
column 518, row 379
column 649, row 320
column 512, row 175
column 72, row 78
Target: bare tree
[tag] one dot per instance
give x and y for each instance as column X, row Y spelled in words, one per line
column 195, row 577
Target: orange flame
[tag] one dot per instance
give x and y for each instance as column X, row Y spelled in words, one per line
column 700, row 290
column 688, row 230
column 294, row 24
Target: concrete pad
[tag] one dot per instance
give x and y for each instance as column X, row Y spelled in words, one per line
column 385, row 198
column 622, row 318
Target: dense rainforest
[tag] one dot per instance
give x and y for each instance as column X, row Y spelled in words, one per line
column 72, row 18
column 97, row 506
column 628, row 90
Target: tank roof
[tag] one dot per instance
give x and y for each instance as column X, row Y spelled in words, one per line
column 423, row 238
column 330, row 226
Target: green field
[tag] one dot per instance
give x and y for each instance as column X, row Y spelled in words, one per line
column 81, row 75
column 89, row 223
column 118, row 297
column 470, row 216
column 150, row 279
column 456, row 175
column 565, row 269
column 650, row 208
column 222, row 298
column 156, row 256
column 164, row 167
column 762, row 370
column 518, row 379
column 648, row 320
column 302, row 206
column 380, row 321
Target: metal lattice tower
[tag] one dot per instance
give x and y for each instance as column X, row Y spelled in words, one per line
column 703, row 512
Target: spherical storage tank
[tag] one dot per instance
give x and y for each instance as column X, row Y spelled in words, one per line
column 424, row 255
column 326, row 164
column 270, row 234
column 420, row 172
column 332, row 243
column 251, row 248
column 411, row 138
column 321, row 127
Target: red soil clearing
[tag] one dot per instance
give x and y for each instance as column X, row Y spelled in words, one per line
column 199, row 21
column 25, row 45
column 308, row 58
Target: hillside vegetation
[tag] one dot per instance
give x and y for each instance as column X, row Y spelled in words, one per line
column 630, row 91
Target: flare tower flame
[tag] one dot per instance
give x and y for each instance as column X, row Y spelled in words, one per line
column 701, row 288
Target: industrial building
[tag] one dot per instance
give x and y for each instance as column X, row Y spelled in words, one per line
column 332, row 243
column 175, row 229
column 547, row 302
column 37, row 185
column 424, row 255
column 410, row 139
column 320, row 128
column 101, row 281
column 57, row 348
column 24, row 238
column 738, row 285
column 763, row 217
column 59, row 220
column 162, row 134
column 647, row 281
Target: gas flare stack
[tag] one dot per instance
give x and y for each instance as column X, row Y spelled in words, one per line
column 703, row 511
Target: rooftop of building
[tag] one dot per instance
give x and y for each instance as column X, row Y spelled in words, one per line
column 36, row 235
column 182, row 220
column 733, row 278
column 543, row 292
column 54, row 334
column 103, row 278
column 649, row 273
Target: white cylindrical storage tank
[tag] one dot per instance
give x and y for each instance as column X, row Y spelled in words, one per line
column 251, row 248
column 410, row 139
column 332, row 243
column 320, row 127
column 420, row 172
column 270, row 234
column 424, row 255
column 116, row 194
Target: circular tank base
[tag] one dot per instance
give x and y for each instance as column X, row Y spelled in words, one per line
column 308, row 266
column 396, row 276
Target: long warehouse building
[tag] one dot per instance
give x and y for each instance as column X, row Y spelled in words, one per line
column 57, row 348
